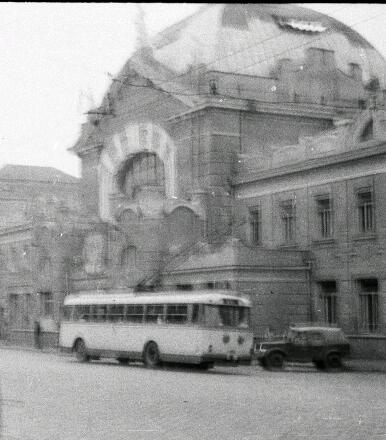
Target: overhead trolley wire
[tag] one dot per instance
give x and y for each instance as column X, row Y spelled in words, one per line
column 177, row 93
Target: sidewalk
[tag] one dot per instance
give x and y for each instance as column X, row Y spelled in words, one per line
column 366, row 365
column 357, row 365
column 5, row 345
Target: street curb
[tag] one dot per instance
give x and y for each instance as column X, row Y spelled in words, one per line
column 354, row 365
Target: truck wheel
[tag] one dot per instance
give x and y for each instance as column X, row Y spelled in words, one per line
column 320, row 365
column 334, row 361
column 205, row 366
column 274, row 361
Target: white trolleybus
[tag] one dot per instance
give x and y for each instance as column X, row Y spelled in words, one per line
column 202, row 328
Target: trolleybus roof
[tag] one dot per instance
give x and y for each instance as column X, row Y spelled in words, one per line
column 218, row 297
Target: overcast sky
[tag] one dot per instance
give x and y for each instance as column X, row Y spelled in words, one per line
column 54, row 55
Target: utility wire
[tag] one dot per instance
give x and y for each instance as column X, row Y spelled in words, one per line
column 260, row 43
column 174, row 93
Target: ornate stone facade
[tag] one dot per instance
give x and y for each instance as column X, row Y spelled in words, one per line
column 214, row 161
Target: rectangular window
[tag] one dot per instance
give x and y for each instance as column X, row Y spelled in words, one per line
column 255, row 222
column 13, row 310
column 100, row 313
column 27, row 309
column 196, row 313
column 288, row 221
column 368, row 297
column 82, row 313
column 324, row 217
column 366, row 211
column 184, row 287
column 176, row 313
column 93, row 313
column 154, row 313
column 328, row 290
column 47, row 304
column 115, row 312
column 134, row 313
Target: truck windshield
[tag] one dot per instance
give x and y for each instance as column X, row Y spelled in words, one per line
column 227, row 316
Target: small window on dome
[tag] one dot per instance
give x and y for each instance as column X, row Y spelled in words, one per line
column 297, row 24
column 368, row 132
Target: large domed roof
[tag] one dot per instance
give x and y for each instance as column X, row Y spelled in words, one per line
column 251, row 38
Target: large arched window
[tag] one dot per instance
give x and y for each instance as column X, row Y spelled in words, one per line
column 144, row 169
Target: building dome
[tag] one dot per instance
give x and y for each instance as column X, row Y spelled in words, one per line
column 250, row 39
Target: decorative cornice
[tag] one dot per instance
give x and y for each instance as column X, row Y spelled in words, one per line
column 375, row 148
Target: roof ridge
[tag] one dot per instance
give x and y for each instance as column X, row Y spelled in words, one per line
column 35, row 172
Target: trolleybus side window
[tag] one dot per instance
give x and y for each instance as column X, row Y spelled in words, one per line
column 93, row 313
column 67, row 313
column 197, row 313
column 101, row 313
column 154, row 313
column 81, row 313
column 115, row 312
column 134, row 312
column 243, row 317
column 176, row 313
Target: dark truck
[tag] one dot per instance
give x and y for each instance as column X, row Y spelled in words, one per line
column 324, row 346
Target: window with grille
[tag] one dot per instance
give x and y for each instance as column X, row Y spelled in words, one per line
column 324, row 217
column 366, row 211
column 329, row 302
column 288, row 221
column 255, row 222
column 368, row 297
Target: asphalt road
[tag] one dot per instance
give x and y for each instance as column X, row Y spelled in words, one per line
column 51, row 397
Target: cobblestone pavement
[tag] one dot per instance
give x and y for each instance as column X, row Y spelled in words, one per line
column 51, row 397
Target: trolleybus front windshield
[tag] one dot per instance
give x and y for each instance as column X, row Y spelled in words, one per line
column 227, row 316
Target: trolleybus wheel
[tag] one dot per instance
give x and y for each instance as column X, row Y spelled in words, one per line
column 333, row 361
column 151, row 356
column 81, row 351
